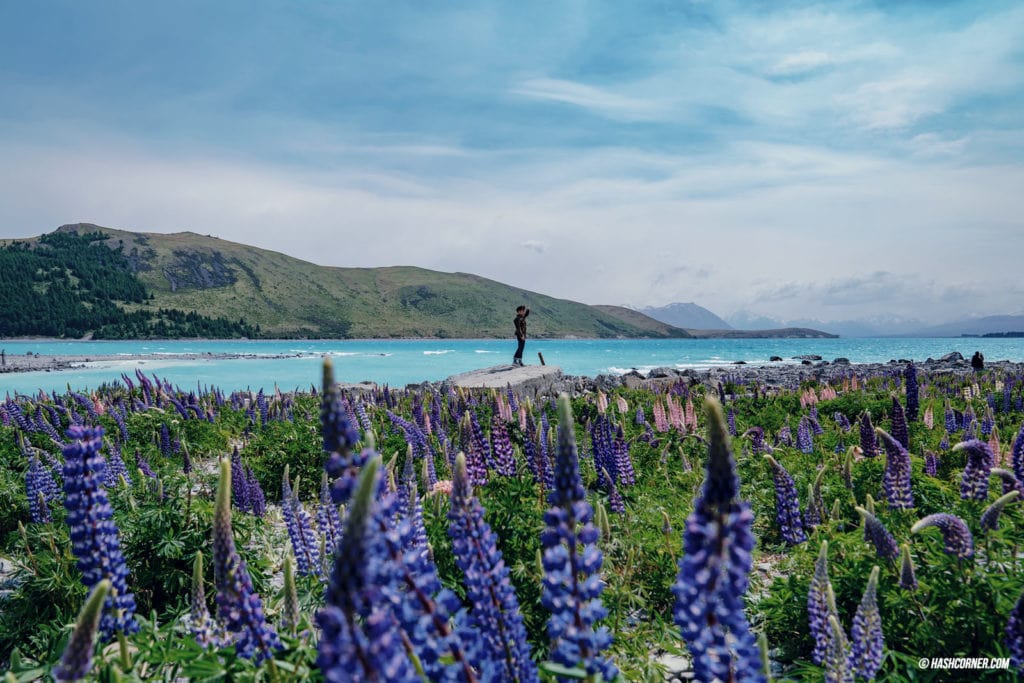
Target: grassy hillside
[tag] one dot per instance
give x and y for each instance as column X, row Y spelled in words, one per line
column 288, row 297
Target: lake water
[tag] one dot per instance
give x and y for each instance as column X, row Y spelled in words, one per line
column 401, row 362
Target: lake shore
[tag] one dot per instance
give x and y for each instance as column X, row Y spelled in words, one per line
column 36, row 362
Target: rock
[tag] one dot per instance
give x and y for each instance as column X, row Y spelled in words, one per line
column 805, row 361
column 775, row 359
column 661, row 373
column 739, row 362
column 528, row 379
column 841, row 361
column 951, row 356
column 807, row 356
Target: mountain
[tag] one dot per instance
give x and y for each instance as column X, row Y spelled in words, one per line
column 687, row 316
column 185, row 275
column 875, row 326
column 990, row 324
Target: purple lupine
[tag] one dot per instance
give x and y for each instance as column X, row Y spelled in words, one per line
column 615, row 501
column 1017, row 455
column 340, row 438
column 879, row 536
column 95, row 538
column 908, row 579
column 1009, row 481
column 900, row 431
column 199, row 623
column 815, row 501
column 530, row 447
column 305, row 547
column 116, row 468
column 1015, row 634
column 165, row 440
column 988, row 421
column 572, row 563
column 640, row 418
column 713, row 572
column 867, row 436
column 950, row 418
column 39, row 487
column 327, row 517
column 731, row 420
column 504, row 458
column 756, row 435
column 896, row 480
column 257, row 500
column 474, row 455
column 186, row 460
column 624, row 471
column 931, row 464
column 955, row 534
column 944, row 442
column 990, row 518
column 980, row 460
column 787, row 504
column 239, row 482
column 495, row 607
column 837, row 654
column 913, row 394
column 239, row 607
column 76, row 662
column 842, row 421
column 804, row 440
column 358, row 641
column 818, row 606
column 545, row 452
column 867, row 644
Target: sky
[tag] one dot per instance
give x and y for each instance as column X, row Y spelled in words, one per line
column 827, row 160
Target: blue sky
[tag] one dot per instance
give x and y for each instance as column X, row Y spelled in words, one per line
column 820, row 159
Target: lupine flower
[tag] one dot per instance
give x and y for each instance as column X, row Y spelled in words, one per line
column 340, row 438
column 1017, row 455
column 896, row 480
column 913, row 399
column 804, row 440
column 815, row 501
column 95, row 538
column 955, row 534
column 475, row 459
column 300, row 532
column 818, row 609
column 495, row 608
column 931, row 464
column 199, row 622
column 879, row 536
column 900, row 432
column 837, row 654
column 1009, row 481
column 1015, row 634
column 76, row 662
column 327, row 517
column 867, row 436
column 950, row 418
column 358, row 640
column 713, row 573
column 239, row 607
column 291, row 614
column 787, row 504
column 257, row 499
column 990, row 518
column 143, row 465
column 39, row 486
column 731, row 420
column 867, row 641
column 572, row 563
column 842, row 421
column 980, row 460
column 908, row 580
column 504, row 458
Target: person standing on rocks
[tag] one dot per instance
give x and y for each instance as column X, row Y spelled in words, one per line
column 520, row 324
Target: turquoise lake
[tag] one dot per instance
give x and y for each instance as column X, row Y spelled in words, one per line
column 401, row 362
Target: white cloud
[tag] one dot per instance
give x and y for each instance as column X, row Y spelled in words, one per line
column 601, row 101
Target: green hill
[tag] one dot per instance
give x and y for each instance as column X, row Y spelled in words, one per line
column 283, row 296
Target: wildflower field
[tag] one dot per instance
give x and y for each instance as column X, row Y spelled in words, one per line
column 838, row 531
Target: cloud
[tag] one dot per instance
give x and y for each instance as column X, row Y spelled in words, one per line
column 535, row 246
column 597, row 100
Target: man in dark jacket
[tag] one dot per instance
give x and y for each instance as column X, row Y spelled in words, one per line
column 520, row 323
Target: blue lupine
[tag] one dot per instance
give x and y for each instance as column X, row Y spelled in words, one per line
column 787, row 504
column 908, row 579
column 640, row 418
column 76, row 662
column 239, row 482
column 955, row 534
column 143, row 465
column 38, row 483
column 950, row 418
column 731, row 420
column 116, row 468
column 200, row 624
column 95, row 538
column 913, row 394
column 1009, row 481
column 495, row 608
column 358, row 641
column 257, row 499
column 1017, row 455
column 480, row 443
column 990, row 518
column 756, row 435
column 879, row 536
column 713, row 573
column 327, row 517
column 475, row 459
column 867, row 436
column 815, row 501
column 944, row 442
column 867, row 644
column 572, row 563
column 842, row 421
column 818, row 607
column 980, row 460
column 340, row 438
column 988, row 421
column 165, row 440
column 896, row 480
column 305, row 547
column 804, row 440
column 900, row 432
column 624, row 471
column 931, row 464
column 837, row 654
column 504, row 458
column 239, row 607
column 1015, row 634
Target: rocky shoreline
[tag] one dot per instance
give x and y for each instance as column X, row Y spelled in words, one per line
column 35, row 362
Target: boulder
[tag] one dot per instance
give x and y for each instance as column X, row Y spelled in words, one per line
column 841, row 361
column 951, row 356
column 775, row 359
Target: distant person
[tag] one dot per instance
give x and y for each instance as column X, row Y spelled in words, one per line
column 3, row 357
column 978, row 361
column 520, row 323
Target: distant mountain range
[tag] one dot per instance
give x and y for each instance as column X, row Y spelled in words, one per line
column 890, row 326
column 689, row 316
